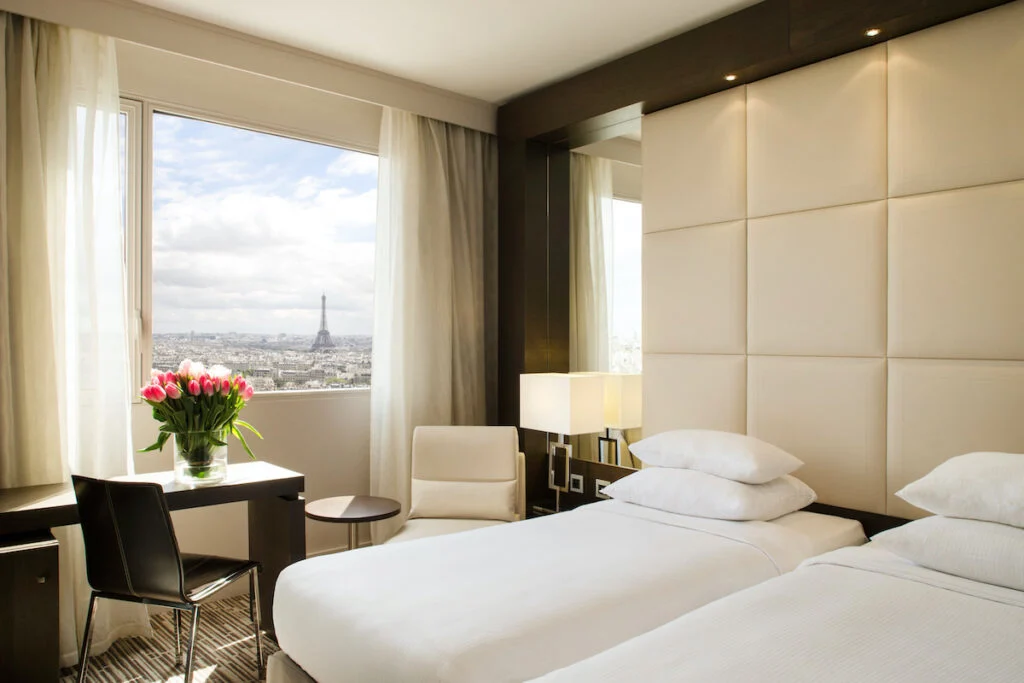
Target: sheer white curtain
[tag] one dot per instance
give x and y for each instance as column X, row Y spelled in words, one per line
column 437, row 200
column 65, row 385
column 590, row 215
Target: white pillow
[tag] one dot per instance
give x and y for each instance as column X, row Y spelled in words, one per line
column 723, row 454
column 980, row 551
column 689, row 492
column 983, row 486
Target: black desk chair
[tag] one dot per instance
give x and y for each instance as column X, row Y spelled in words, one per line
column 131, row 554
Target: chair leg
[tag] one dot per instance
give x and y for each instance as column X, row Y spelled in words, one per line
column 177, row 637
column 83, row 657
column 254, row 604
column 190, row 656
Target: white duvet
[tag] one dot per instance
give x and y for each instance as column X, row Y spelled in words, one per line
column 512, row 602
column 854, row 615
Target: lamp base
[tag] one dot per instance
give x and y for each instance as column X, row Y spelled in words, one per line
column 558, row 481
column 608, row 449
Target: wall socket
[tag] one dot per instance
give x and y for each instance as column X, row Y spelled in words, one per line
column 576, row 483
column 599, row 485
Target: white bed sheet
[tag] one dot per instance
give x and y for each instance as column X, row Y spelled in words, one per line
column 853, row 615
column 512, row 602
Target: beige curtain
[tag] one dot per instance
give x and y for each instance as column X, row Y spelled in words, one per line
column 437, row 206
column 65, row 388
column 590, row 188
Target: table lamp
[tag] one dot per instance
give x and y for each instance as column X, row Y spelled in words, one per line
column 623, row 409
column 563, row 404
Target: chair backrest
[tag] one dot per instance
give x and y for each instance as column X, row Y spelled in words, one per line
column 465, row 472
column 130, row 546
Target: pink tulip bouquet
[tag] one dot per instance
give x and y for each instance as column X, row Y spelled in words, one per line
column 199, row 407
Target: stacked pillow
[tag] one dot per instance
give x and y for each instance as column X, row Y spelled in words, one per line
column 978, row 530
column 705, row 473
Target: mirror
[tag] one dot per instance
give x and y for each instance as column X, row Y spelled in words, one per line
column 607, row 231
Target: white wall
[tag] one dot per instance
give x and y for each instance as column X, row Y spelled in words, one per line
column 324, row 435
column 219, row 92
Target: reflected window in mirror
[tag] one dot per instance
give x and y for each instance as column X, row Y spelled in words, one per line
column 622, row 265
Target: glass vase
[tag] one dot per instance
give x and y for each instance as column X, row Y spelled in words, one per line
column 200, row 458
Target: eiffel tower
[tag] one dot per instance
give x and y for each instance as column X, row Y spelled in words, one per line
column 323, row 339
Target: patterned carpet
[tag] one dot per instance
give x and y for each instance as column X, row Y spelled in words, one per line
column 225, row 651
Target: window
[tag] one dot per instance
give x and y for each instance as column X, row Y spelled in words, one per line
column 258, row 253
column 622, row 266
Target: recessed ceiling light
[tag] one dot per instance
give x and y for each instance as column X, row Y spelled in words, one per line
column 731, row 77
column 872, row 32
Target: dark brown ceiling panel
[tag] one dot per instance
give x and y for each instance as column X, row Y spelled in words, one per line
column 763, row 40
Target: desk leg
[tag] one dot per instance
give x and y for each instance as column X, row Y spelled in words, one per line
column 29, row 610
column 277, row 538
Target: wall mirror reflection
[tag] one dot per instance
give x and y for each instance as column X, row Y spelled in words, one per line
column 606, row 307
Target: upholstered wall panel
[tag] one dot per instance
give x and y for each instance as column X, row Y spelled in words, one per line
column 955, row 103
column 695, row 290
column 816, row 136
column 694, row 170
column 939, row 409
column 956, row 274
column 863, row 308
column 830, row 413
column 817, row 282
column 694, row 392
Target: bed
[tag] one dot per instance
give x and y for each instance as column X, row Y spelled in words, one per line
column 855, row 614
column 515, row 601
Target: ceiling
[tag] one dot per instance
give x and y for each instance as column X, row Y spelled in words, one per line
column 491, row 50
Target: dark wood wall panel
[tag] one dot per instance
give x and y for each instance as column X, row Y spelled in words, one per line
column 763, row 40
column 533, row 298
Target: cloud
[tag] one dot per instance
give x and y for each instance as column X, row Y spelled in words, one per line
column 353, row 164
column 249, row 229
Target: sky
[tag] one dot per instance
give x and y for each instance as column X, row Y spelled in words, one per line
column 623, row 270
column 249, row 229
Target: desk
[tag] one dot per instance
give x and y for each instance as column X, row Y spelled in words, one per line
column 29, row 651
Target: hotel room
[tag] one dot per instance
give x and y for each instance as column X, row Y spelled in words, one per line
column 480, row 341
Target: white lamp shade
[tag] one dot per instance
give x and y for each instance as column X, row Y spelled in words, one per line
column 623, row 401
column 561, row 403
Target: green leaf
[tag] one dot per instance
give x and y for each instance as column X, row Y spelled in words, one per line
column 161, row 439
column 238, row 435
column 242, row 423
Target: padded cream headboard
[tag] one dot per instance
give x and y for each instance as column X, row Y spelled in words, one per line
column 834, row 259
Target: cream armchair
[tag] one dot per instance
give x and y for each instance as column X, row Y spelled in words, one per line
column 464, row 478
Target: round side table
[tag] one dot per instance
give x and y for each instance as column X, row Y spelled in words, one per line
column 352, row 510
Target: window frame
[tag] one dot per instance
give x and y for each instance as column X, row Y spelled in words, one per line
column 139, row 189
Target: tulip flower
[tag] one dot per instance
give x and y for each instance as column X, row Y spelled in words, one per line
column 225, row 386
column 185, row 367
column 193, row 387
column 219, row 372
column 154, row 373
column 197, row 370
column 154, row 393
column 172, row 390
column 247, row 393
column 208, row 387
